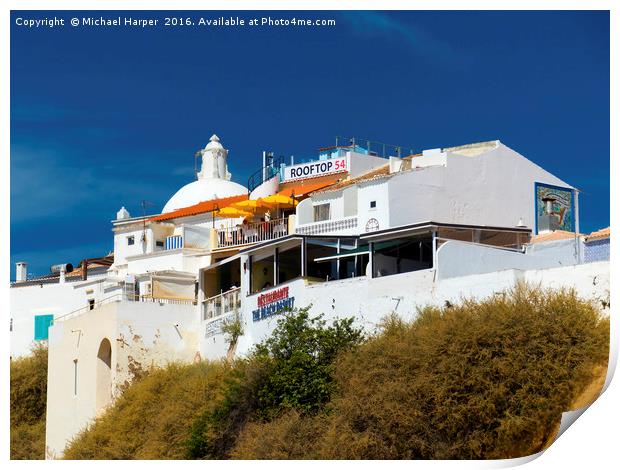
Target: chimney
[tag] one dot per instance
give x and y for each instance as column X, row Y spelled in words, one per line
column 61, row 279
column 84, row 270
column 21, row 271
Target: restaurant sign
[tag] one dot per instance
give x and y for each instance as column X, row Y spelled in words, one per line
column 316, row 168
column 215, row 327
column 272, row 303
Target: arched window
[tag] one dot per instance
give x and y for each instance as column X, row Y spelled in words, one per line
column 104, row 374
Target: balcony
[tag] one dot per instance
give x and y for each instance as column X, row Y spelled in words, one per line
column 252, row 233
column 174, row 242
column 221, row 304
column 328, row 226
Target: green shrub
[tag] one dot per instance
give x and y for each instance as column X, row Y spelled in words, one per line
column 301, row 352
column 28, row 392
column 292, row 369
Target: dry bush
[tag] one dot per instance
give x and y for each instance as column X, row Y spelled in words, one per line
column 485, row 379
column 28, row 403
column 290, row 436
column 152, row 419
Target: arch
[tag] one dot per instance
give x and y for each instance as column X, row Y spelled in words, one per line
column 104, row 374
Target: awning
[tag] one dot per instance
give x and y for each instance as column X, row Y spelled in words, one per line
column 360, row 251
column 232, row 212
column 279, row 200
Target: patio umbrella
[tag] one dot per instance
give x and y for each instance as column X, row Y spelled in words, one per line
column 251, row 204
column 232, row 212
column 280, row 199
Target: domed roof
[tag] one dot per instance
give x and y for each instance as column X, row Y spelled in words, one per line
column 204, row 189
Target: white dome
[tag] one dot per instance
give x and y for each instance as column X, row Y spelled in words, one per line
column 204, row 189
column 214, row 143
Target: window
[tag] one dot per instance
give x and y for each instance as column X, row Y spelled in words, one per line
column 159, row 243
column 289, row 264
column 261, row 274
column 131, row 240
column 402, row 255
column 91, row 304
column 322, row 248
column 75, row 361
column 321, row 212
column 373, row 204
column 11, row 326
column 41, row 326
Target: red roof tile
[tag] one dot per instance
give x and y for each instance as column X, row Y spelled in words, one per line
column 200, row 208
column 602, row 233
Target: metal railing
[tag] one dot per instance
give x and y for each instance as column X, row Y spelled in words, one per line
column 119, row 297
column 264, row 174
column 113, row 298
column 327, row 226
column 252, row 233
column 379, row 149
column 221, row 304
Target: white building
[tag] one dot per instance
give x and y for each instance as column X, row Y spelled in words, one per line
column 351, row 233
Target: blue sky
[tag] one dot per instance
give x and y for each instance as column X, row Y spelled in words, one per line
column 105, row 117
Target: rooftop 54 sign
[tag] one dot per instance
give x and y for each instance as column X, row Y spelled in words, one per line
column 313, row 169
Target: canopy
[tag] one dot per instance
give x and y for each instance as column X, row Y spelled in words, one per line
column 233, row 212
column 279, row 199
column 251, row 204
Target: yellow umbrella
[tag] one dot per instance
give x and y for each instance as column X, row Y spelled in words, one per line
column 232, row 212
column 250, row 203
column 280, row 200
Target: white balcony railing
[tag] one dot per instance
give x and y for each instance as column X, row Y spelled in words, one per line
column 327, row 226
column 122, row 297
column 221, row 304
column 252, row 233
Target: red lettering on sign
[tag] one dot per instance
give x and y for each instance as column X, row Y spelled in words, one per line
column 271, row 297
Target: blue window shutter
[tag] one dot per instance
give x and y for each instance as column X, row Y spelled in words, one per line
column 41, row 326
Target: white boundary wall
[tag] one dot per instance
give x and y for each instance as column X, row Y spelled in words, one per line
column 370, row 300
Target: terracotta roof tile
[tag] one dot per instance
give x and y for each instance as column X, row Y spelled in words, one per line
column 200, row 208
column 552, row 236
column 375, row 173
column 306, row 186
column 602, row 233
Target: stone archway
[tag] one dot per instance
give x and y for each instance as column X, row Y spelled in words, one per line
column 104, row 374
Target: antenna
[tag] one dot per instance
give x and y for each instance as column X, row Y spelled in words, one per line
column 214, row 209
column 144, row 205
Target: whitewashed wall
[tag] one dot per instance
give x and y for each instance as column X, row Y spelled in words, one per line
column 495, row 189
column 46, row 299
column 370, row 300
column 458, row 259
column 374, row 191
column 141, row 335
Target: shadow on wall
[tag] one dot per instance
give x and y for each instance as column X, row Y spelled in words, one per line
column 104, row 374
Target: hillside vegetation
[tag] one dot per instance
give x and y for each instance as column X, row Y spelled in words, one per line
column 28, row 403
column 484, row 379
